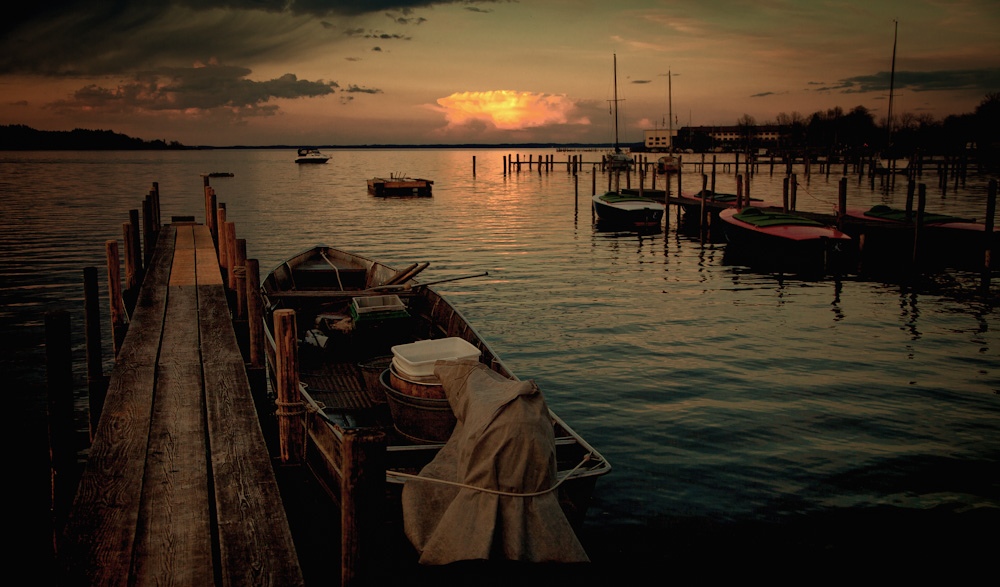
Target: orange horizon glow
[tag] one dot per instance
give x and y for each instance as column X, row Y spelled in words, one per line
column 508, row 109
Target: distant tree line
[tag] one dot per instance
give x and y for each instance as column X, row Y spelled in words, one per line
column 23, row 138
column 856, row 132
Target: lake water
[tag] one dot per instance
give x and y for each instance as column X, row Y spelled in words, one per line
column 749, row 416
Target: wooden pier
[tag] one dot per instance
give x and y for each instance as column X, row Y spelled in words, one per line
column 179, row 486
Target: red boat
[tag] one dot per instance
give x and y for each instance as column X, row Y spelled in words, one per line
column 784, row 239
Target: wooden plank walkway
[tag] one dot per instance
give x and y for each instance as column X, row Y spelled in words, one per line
column 179, row 488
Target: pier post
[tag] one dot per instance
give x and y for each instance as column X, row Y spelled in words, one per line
column 473, row 166
column 362, row 497
column 505, row 165
column 147, row 230
column 291, row 429
column 133, row 218
column 230, row 259
column 210, row 212
column 593, row 180
column 794, row 192
column 115, row 294
column 59, row 368
column 918, row 225
column 255, row 314
column 131, row 271
column 701, row 213
column 784, row 195
column 991, row 206
column 220, row 223
column 910, row 188
column 96, row 381
column 739, row 192
column 841, row 202
column 240, row 280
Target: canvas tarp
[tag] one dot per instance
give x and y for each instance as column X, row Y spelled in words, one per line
column 503, row 441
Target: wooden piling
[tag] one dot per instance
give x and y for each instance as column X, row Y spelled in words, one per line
column 991, row 206
column 220, row 223
column 97, row 383
column 255, row 314
column 131, row 262
column 118, row 324
column 793, row 195
column 784, row 195
column 841, row 202
column 473, row 166
column 701, row 213
column 230, row 228
column 62, row 452
column 362, row 496
column 133, row 218
column 291, row 430
column 918, row 224
column 240, row 281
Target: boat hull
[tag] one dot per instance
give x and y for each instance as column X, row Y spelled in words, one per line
column 400, row 187
column 801, row 248
column 626, row 210
column 334, row 386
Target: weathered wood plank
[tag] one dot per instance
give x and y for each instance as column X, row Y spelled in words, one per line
column 254, row 537
column 101, row 531
column 175, row 546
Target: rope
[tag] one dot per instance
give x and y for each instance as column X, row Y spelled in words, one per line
column 336, row 270
column 300, row 405
column 399, row 474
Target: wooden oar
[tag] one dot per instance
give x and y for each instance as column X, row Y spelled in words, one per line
column 418, row 285
column 410, row 274
column 399, row 274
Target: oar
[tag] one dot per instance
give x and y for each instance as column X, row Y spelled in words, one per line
column 410, row 274
column 395, row 278
column 414, row 286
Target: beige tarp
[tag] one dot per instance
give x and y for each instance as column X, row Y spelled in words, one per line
column 503, row 441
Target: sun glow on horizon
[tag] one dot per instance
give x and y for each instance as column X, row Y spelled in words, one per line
column 508, row 109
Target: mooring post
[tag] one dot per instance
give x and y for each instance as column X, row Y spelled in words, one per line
column 991, row 206
column 230, row 260
column 240, row 270
column 593, row 180
column 220, row 222
column 794, row 192
column 362, row 496
column 131, row 272
column 291, row 428
column 473, row 166
column 917, row 226
column 255, row 314
column 784, row 194
column 701, row 213
column 739, row 192
column 910, row 188
column 59, row 368
column 210, row 212
column 133, row 218
column 841, row 202
column 96, row 382
column 115, row 294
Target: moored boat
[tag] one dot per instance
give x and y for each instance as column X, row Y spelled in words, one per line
column 398, row 185
column 306, row 155
column 354, row 318
column 784, row 239
column 627, row 210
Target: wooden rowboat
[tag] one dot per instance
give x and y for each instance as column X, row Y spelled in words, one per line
column 785, row 239
column 343, row 367
column 616, row 208
column 400, row 186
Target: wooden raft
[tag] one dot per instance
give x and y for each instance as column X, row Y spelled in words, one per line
column 178, row 487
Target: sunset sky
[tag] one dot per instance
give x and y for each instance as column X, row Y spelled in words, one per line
column 355, row 72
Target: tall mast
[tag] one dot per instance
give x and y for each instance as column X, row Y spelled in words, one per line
column 892, row 79
column 670, row 112
column 616, row 100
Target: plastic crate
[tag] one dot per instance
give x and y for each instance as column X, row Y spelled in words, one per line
column 418, row 358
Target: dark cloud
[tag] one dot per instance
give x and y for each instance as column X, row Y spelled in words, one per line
column 762, row 94
column 208, row 88
column 97, row 37
column 353, row 89
column 642, row 81
column 987, row 79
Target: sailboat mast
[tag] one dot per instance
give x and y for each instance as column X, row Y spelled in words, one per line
column 616, row 100
column 670, row 112
column 892, row 79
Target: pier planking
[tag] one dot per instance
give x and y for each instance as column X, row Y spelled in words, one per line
column 179, row 487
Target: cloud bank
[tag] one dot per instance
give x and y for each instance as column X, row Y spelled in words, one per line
column 508, row 109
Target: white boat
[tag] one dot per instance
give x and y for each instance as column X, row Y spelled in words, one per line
column 311, row 156
column 614, row 207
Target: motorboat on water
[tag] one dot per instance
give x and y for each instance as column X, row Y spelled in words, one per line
column 311, row 156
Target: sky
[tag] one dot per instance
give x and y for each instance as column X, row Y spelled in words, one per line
column 371, row 72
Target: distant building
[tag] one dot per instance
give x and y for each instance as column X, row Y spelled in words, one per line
column 658, row 139
column 727, row 138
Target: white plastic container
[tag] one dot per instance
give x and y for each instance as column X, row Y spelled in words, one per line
column 417, row 358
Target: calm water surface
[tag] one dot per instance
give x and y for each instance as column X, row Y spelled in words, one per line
column 742, row 411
